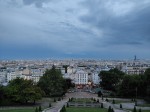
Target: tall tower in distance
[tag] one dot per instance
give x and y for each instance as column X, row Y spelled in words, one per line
column 135, row 58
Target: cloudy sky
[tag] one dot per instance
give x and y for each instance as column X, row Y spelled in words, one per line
column 100, row 29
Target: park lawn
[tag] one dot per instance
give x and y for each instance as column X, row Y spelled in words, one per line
column 145, row 110
column 82, row 100
column 18, row 110
column 121, row 101
column 137, row 110
column 84, row 109
column 144, row 105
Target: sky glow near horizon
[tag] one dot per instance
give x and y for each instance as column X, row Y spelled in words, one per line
column 98, row 29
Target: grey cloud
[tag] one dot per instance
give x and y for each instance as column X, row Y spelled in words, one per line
column 128, row 29
column 86, row 29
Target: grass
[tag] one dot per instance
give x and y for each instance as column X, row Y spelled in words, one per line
column 144, row 105
column 138, row 110
column 82, row 100
column 84, row 109
column 121, row 101
column 18, row 110
column 145, row 110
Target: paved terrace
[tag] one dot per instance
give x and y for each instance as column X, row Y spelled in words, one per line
column 57, row 106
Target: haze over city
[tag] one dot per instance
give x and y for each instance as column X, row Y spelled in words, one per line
column 100, row 29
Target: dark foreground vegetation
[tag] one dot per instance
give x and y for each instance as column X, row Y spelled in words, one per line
column 127, row 86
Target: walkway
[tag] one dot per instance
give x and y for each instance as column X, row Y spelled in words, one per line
column 57, row 106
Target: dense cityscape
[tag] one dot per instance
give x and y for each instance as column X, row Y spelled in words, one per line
column 90, row 69
column 26, row 82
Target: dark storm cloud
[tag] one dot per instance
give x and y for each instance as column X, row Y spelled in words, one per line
column 131, row 27
column 76, row 28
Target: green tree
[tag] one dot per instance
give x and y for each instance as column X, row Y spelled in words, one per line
column 22, row 91
column 2, row 94
column 110, row 79
column 147, row 74
column 147, row 80
column 69, row 83
column 52, row 82
column 132, row 86
column 135, row 85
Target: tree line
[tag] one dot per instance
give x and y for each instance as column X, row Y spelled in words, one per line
column 124, row 85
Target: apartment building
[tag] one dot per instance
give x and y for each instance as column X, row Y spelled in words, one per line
column 81, row 77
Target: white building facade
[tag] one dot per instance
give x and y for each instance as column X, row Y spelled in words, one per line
column 81, row 77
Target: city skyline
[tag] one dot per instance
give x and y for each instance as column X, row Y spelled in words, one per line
column 95, row 29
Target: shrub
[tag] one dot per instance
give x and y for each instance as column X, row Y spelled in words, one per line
column 40, row 109
column 112, row 94
column 99, row 93
column 97, row 100
column 120, row 105
column 63, row 109
column 69, row 100
column 59, row 99
column 107, row 100
column 134, row 110
column 113, row 101
column 109, row 109
column 50, row 105
column 112, row 110
column 36, row 109
column 102, row 105
column 135, row 103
